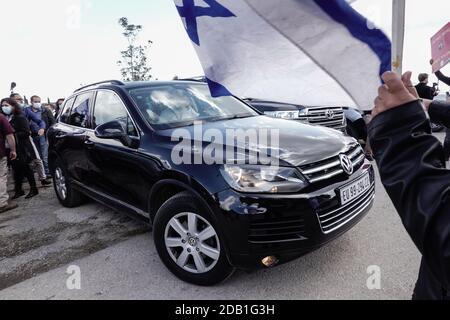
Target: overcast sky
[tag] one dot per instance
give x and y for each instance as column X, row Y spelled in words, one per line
column 50, row 47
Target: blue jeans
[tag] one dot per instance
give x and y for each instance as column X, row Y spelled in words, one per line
column 42, row 146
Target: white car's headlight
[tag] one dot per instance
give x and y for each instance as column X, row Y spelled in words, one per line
column 283, row 114
column 263, row 179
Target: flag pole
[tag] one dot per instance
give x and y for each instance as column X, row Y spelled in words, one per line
column 398, row 34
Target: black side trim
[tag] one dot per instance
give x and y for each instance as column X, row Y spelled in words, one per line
column 114, row 204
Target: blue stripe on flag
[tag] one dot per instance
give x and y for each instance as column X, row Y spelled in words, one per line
column 343, row 13
column 217, row 90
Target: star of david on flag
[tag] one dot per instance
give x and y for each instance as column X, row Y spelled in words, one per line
column 305, row 52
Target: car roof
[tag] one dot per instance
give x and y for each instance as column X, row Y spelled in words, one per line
column 145, row 84
column 136, row 85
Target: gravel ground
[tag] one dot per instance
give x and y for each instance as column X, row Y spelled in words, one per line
column 41, row 235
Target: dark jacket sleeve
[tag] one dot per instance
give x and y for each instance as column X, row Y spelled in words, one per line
column 443, row 78
column 440, row 113
column 412, row 168
column 22, row 127
column 49, row 118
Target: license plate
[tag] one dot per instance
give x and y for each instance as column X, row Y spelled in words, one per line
column 355, row 189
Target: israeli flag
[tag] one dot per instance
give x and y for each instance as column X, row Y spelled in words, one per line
column 308, row 52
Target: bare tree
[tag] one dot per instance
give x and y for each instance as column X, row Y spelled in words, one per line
column 134, row 64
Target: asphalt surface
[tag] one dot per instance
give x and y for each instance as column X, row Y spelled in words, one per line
column 117, row 258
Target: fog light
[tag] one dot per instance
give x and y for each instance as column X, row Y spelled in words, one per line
column 270, row 261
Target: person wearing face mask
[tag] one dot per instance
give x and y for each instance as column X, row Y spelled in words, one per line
column 26, row 151
column 38, row 128
column 7, row 142
column 39, row 137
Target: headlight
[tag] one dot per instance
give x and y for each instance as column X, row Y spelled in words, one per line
column 263, row 179
column 283, row 114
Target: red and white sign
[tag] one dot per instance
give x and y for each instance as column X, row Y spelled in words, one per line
column 440, row 48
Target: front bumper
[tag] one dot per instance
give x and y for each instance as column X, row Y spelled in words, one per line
column 287, row 226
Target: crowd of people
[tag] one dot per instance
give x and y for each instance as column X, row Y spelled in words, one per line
column 24, row 145
column 429, row 93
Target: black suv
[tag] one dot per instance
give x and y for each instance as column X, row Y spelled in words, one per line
column 114, row 142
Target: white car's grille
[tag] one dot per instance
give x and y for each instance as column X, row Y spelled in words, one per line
column 331, row 117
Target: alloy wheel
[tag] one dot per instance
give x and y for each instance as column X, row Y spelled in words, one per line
column 60, row 182
column 192, row 243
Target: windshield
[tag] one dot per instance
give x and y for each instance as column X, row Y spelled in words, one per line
column 171, row 106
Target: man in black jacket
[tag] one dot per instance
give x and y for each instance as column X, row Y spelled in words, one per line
column 424, row 90
column 412, row 169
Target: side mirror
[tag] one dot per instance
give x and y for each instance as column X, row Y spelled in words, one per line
column 113, row 130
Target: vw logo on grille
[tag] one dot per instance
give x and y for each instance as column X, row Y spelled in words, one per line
column 329, row 114
column 346, row 164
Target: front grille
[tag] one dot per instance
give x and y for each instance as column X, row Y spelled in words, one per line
column 331, row 221
column 329, row 168
column 331, row 117
column 277, row 230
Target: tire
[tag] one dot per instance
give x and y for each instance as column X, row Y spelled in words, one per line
column 71, row 198
column 181, row 208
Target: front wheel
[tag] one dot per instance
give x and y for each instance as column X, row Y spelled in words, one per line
column 188, row 242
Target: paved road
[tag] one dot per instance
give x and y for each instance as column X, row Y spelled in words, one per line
column 118, row 260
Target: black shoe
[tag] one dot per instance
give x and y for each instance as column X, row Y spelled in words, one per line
column 33, row 193
column 45, row 183
column 18, row 195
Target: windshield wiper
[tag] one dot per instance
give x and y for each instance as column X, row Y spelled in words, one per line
column 206, row 120
column 237, row 116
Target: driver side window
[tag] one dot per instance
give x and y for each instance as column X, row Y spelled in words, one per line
column 109, row 107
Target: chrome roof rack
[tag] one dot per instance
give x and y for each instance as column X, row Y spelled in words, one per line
column 116, row 82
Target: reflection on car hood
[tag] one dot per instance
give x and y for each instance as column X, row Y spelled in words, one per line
column 300, row 143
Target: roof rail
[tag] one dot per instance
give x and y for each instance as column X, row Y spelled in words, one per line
column 117, row 82
column 196, row 79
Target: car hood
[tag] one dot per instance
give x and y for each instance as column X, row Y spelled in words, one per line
column 299, row 143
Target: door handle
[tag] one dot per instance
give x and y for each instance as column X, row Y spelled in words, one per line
column 61, row 136
column 76, row 133
column 89, row 144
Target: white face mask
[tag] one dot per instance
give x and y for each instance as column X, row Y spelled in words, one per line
column 7, row 110
column 37, row 106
